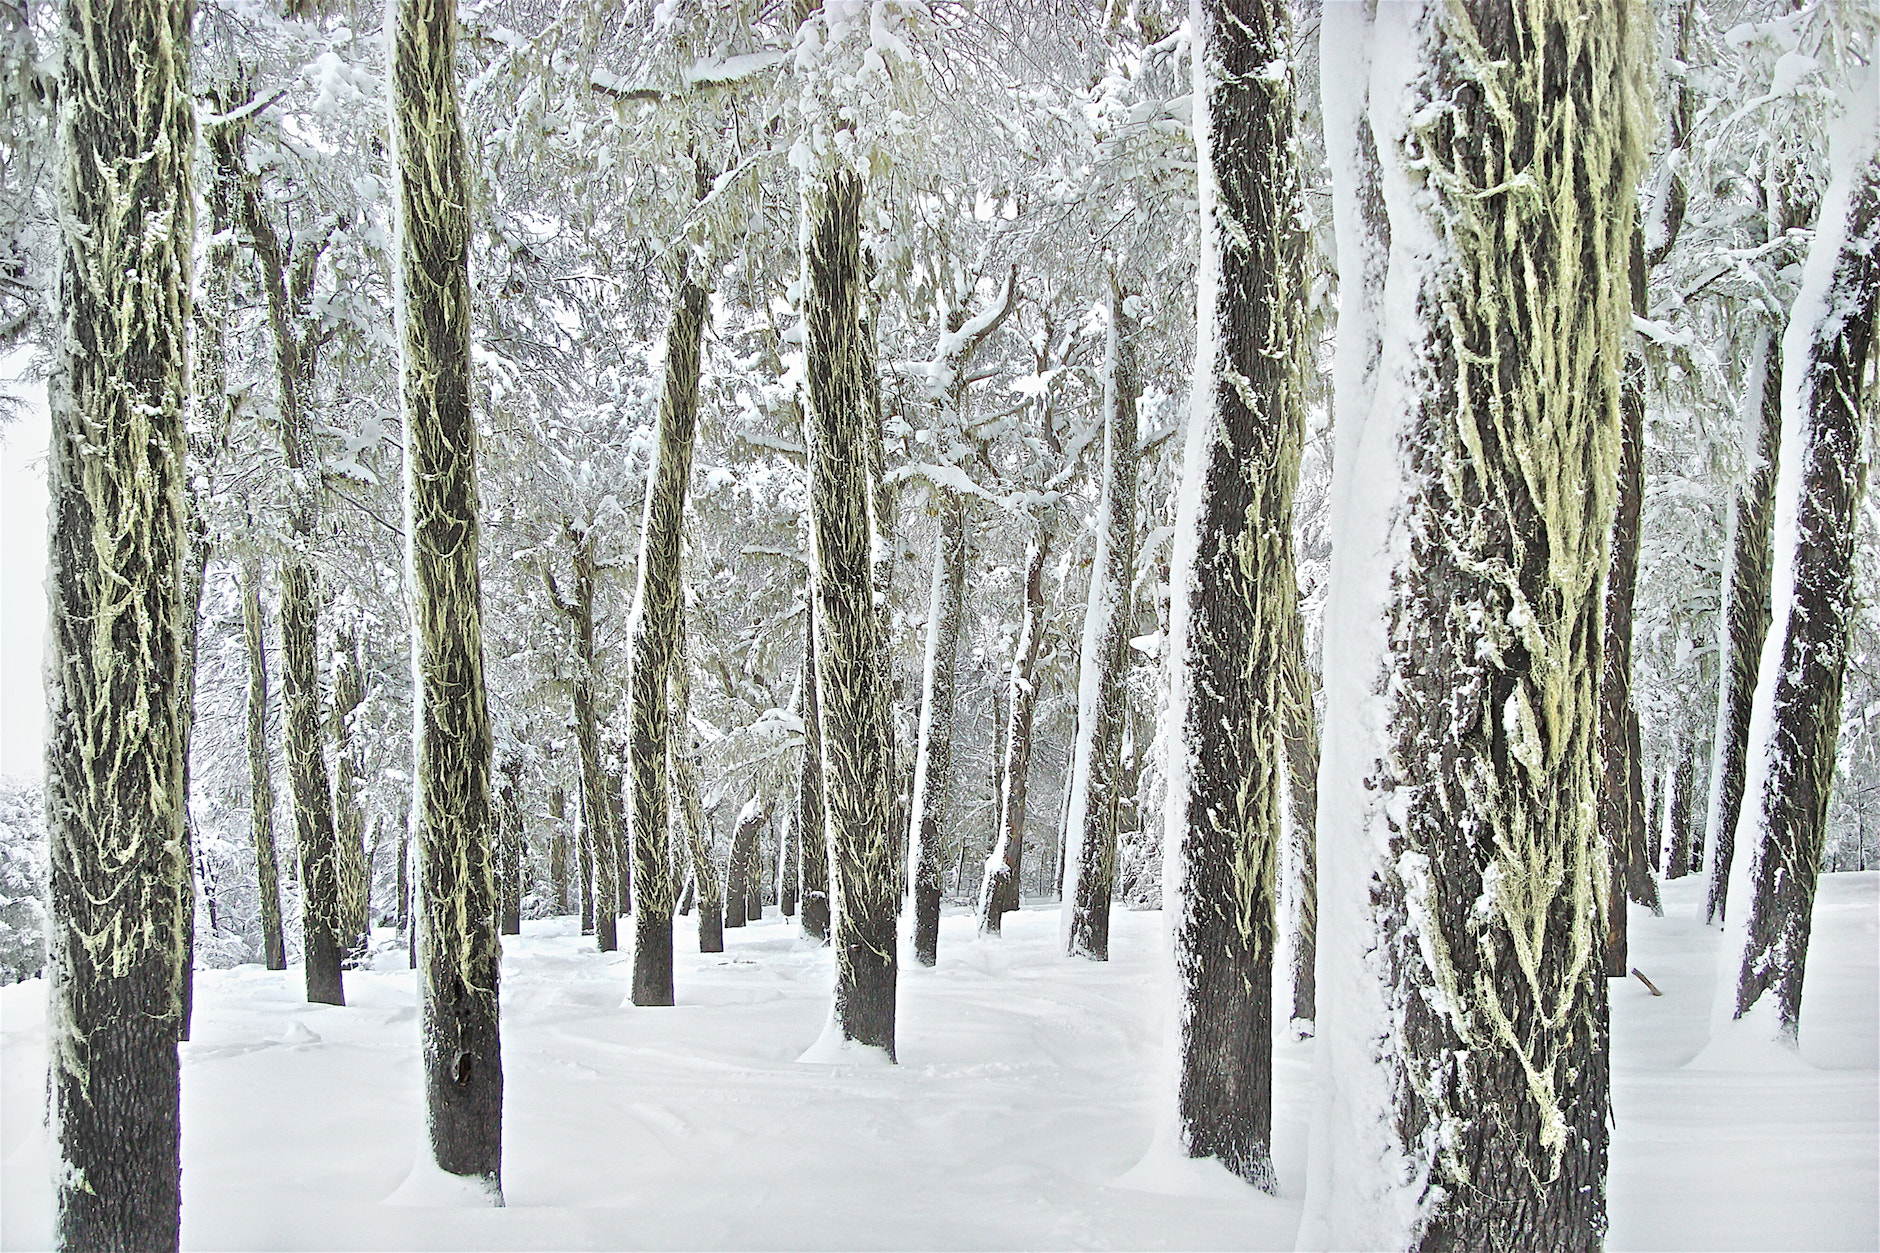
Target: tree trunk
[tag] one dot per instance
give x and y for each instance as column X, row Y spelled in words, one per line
column 349, row 819
column 1000, row 892
column 558, row 849
column 1746, row 612
column 1232, row 583
column 260, row 770
column 653, row 630
column 737, row 870
column 1090, row 815
column 813, row 837
column 747, row 862
column 509, row 849
column 789, row 863
column 851, row 675
column 459, row 951
column 584, row 858
column 114, row 767
column 1299, row 742
column 933, row 758
column 1798, row 694
column 1678, row 853
column 599, row 892
column 711, row 900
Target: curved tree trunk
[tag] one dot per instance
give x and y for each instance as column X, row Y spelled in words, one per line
column 114, row 769
column 933, row 758
column 1096, row 781
column 851, row 677
column 459, row 949
column 999, row 894
column 653, row 630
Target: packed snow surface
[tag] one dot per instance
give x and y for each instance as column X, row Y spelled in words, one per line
column 1020, row 1116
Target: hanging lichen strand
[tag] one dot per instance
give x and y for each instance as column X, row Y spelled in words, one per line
column 933, row 759
column 653, row 631
column 1232, row 572
column 459, row 952
column 1797, row 717
column 851, row 679
column 114, row 768
column 1103, row 665
column 1525, row 132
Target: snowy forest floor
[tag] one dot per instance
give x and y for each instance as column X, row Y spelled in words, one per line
column 1023, row 1104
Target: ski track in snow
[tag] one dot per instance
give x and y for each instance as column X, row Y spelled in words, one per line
column 1025, row 1094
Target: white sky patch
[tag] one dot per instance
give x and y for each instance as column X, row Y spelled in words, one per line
column 22, row 572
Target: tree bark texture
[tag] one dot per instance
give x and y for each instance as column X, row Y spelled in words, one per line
column 1103, row 661
column 1000, row 892
column 1746, row 613
column 653, row 632
column 558, row 848
column 851, row 674
column 459, row 949
column 349, row 819
column 511, row 858
column 261, row 770
column 711, row 899
column 114, row 772
column 812, row 828
column 599, row 891
column 933, row 757
column 1798, row 697
column 1233, row 575
column 1678, row 851
column 1299, row 743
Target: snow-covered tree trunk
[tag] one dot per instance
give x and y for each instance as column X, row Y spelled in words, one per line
column 1822, row 478
column 1103, row 661
column 933, row 756
column 1746, row 612
column 260, row 769
column 114, row 740
column 999, row 894
column 1463, row 1095
column 653, row 631
column 811, row 824
column 851, row 672
column 459, row 951
column 711, row 900
column 1232, row 580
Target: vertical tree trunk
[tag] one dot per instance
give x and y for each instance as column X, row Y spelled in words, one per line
column 599, row 893
column 813, row 837
column 851, row 677
column 657, row 605
column 751, row 834
column 790, row 862
column 1232, row 580
column 933, row 757
column 737, row 871
column 584, row 858
column 1299, row 742
column 459, row 950
column 114, row 769
column 1678, row 821
column 1823, row 478
column 1103, row 661
column 403, row 886
column 1746, row 612
column 260, row 770
column 623, row 843
column 558, row 849
column 1000, row 892
column 711, row 900
column 509, row 849
column 349, row 819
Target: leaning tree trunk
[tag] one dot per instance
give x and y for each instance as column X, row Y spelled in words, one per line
column 1823, row 478
column 114, row 768
column 999, row 893
column 459, row 949
column 933, row 757
column 1096, row 778
column 711, row 900
column 851, row 674
column 653, row 630
column 1746, row 612
column 260, row 770
column 812, row 830
column 1464, row 904
column 1232, row 579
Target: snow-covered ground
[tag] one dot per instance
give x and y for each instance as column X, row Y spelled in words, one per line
column 1024, row 1096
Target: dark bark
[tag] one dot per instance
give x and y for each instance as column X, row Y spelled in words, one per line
column 558, row 848
column 459, row 951
column 812, row 837
column 711, row 902
column 1787, row 815
column 1299, row 743
column 933, row 758
column 737, row 870
column 584, row 859
column 851, row 674
column 113, row 768
column 260, row 770
column 1000, row 894
column 510, row 862
column 349, row 819
column 1231, row 653
column 1678, row 856
column 599, row 892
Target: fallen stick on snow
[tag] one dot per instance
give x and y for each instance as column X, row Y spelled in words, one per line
column 1647, row 982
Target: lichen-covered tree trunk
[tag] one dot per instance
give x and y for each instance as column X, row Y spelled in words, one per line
column 711, row 900
column 933, row 755
column 1299, row 744
column 851, row 675
column 600, row 894
column 349, row 819
column 584, row 863
column 459, row 949
column 1231, row 579
column 1678, row 823
column 1746, row 612
column 1823, row 479
column 1470, row 893
column 813, row 831
column 260, row 769
column 558, row 848
column 1103, row 662
column 999, row 894
column 114, row 771
column 653, row 631
column 510, row 853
